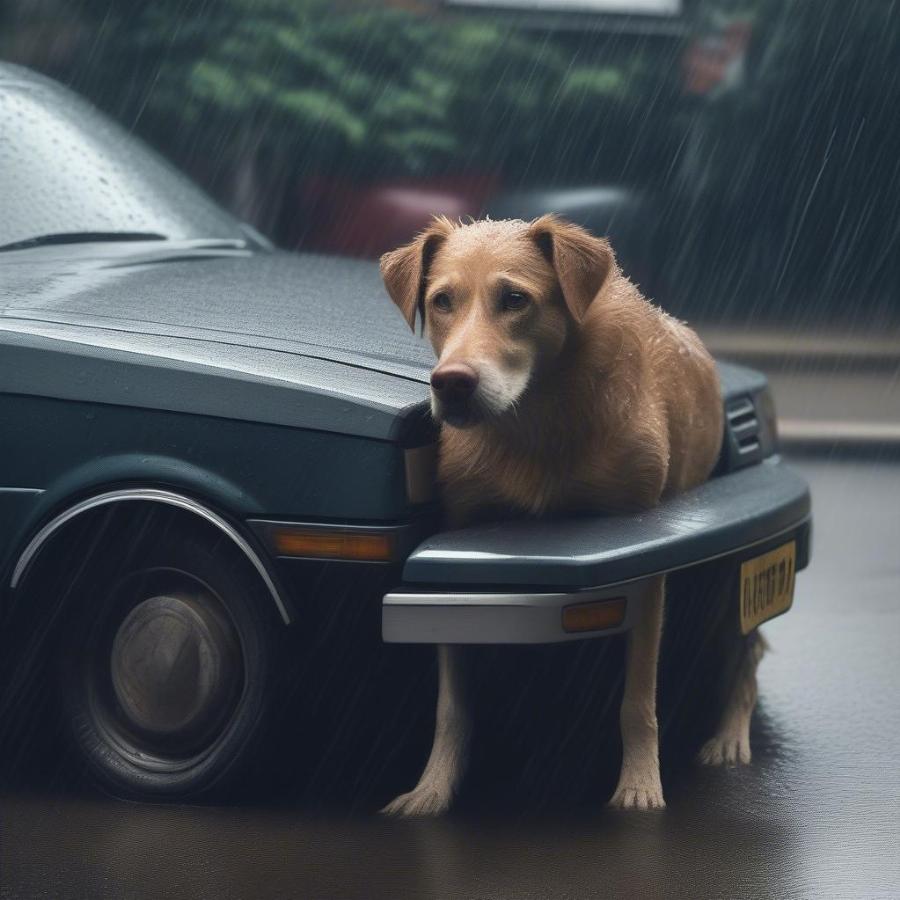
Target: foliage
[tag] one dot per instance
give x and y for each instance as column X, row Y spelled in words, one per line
column 364, row 89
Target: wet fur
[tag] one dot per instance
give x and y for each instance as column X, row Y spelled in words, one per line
column 621, row 408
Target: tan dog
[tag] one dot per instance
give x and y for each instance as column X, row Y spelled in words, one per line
column 560, row 388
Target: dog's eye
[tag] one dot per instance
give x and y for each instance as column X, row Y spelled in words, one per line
column 441, row 302
column 513, row 300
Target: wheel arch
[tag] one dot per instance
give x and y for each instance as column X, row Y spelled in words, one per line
column 240, row 538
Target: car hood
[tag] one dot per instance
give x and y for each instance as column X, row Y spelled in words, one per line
column 213, row 330
column 319, row 306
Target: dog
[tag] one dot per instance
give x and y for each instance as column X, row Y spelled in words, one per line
column 559, row 389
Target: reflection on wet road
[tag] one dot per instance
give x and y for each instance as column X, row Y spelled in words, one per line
column 817, row 814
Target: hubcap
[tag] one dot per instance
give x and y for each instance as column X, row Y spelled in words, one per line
column 175, row 666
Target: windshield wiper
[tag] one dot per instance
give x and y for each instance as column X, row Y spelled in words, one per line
column 83, row 237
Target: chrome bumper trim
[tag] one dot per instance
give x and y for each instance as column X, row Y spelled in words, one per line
column 463, row 617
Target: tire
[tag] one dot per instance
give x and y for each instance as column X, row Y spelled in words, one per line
column 167, row 666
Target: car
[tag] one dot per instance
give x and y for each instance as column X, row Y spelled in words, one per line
column 198, row 430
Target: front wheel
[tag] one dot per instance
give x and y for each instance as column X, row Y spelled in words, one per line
column 167, row 668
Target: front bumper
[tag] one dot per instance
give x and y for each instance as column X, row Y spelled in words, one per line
column 512, row 582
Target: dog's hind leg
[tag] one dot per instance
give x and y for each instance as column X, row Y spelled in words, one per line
column 639, row 782
column 449, row 752
column 730, row 745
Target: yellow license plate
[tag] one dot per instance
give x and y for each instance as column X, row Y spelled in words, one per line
column 767, row 585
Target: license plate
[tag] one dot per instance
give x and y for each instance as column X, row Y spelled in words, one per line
column 767, row 585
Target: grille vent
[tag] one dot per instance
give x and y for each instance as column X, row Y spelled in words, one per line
column 743, row 432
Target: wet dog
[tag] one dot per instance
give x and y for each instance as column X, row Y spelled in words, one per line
column 559, row 389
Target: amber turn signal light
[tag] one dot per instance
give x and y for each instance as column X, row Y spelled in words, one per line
column 357, row 546
column 598, row 615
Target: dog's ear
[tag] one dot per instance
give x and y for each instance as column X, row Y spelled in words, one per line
column 405, row 269
column 582, row 262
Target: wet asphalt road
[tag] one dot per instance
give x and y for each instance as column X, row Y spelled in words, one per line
column 816, row 815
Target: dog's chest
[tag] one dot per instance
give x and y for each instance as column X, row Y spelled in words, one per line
column 537, row 483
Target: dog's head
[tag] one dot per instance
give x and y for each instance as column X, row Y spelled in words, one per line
column 499, row 301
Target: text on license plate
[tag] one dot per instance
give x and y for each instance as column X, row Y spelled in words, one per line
column 767, row 585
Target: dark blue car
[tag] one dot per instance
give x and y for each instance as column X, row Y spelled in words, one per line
column 196, row 429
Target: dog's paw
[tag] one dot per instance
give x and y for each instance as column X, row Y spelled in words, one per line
column 422, row 801
column 638, row 794
column 725, row 750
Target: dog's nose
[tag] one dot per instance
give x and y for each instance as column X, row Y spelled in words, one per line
column 454, row 382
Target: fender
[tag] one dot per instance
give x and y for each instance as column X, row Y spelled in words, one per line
column 105, row 473
column 142, row 468
column 169, row 498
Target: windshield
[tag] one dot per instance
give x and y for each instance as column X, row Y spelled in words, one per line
column 65, row 169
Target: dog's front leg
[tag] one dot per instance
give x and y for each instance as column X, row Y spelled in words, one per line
column 449, row 752
column 639, row 782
